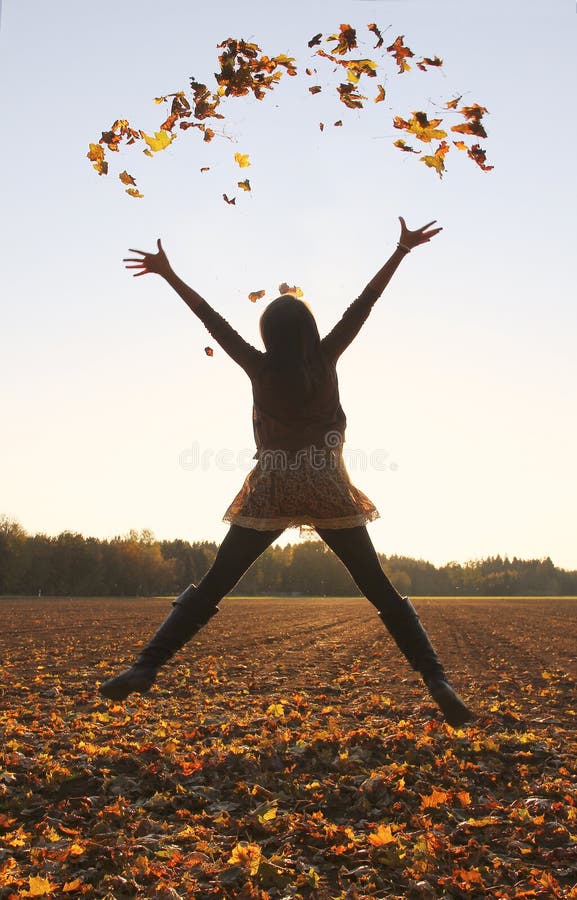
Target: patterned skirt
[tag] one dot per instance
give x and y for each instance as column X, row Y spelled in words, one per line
column 304, row 488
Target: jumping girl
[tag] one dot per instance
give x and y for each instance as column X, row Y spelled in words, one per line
column 299, row 478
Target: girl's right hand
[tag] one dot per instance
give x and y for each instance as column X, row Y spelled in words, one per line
column 150, row 262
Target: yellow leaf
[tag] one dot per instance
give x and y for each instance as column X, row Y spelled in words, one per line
column 437, row 798
column 134, row 192
column 39, row 887
column 276, row 710
column 242, row 159
column 246, row 855
column 382, row 836
column 245, row 185
column 74, row 885
column 160, row 141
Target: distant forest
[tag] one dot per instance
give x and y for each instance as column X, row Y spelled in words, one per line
column 137, row 564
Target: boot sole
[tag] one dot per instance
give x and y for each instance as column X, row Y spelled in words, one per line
column 121, row 691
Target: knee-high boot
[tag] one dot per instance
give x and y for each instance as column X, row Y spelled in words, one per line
column 191, row 611
column 403, row 623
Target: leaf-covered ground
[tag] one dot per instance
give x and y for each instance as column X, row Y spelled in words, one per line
column 288, row 752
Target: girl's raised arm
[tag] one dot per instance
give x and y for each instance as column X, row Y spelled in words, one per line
column 352, row 320
column 243, row 353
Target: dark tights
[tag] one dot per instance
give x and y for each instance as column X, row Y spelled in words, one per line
column 242, row 546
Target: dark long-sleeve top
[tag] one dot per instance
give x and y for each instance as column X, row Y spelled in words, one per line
column 279, row 421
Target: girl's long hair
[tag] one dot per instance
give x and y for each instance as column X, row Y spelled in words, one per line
column 291, row 337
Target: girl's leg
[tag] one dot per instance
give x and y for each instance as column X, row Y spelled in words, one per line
column 192, row 609
column 355, row 549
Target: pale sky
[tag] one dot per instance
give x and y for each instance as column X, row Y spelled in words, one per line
column 461, row 383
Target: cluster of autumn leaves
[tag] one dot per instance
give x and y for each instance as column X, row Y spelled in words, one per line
column 244, row 69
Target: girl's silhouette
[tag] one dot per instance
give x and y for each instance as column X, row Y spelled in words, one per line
column 299, row 477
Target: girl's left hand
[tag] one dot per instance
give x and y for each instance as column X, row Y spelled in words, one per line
column 151, row 262
column 412, row 239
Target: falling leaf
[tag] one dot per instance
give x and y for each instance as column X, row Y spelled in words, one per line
column 338, row 123
column 381, row 94
column 376, row 31
column 245, row 185
column 126, row 178
column 134, row 192
column 233, row 201
column 315, row 40
column 285, row 289
column 242, row 159
column 461, row 145
column 426, row 61
column 402, row 145
column 96, row 155
column 421, row 127
column 437, row 160
column 452, row 104
column 316, row 89
column 160, row 141
column 478, row 155
column 256, row 295
column 205, row 169
column 322, row 126
column 209, row 351
column 347, row 39
column 400, row 52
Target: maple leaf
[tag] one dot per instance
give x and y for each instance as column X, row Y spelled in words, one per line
column 435, row 799
column 348, row 96
column 381, row 837
column 160, row 141
column 96, row 155
column 437, row 160
column 347, row 39
column 358, row 67
column 38, row 887
column 245, row 185
column 285, row 289
column 231, row 202
column 134, row 192
column 126, row 178
column 421, row 127
column 452, row 104
column 242, row 159
column 372, row 27
column 209, row 351
column 246, row 855
column 256, row 295
column 381, row 94
column 426, row 61
column 402, row 145
column 461, row 145
column 315, row 40
column 400, row 52
column 478, row 155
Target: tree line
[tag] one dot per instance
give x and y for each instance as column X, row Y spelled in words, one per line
column 137, row 564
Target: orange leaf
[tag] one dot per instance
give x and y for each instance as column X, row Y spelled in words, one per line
column 245, row 185
column 381, row 95
column 256, row 295
column 209, row 351
column 372, row 27
column 400, row 52
column 382, row 836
